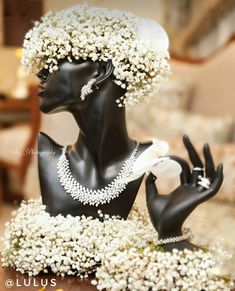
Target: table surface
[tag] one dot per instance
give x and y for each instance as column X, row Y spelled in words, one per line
column 18, row 282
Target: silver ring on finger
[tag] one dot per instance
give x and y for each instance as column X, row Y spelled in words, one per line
column 204, row 182
column 198, row 169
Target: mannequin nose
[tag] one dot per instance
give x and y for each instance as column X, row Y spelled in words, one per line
column 43, row 75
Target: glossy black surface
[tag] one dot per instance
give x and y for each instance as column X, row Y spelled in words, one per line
column 169, row 212
column 102, row 147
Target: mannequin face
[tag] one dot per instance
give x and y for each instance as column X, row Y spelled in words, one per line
column 61, row 90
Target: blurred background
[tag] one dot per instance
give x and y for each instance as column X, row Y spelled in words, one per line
column 198, row 99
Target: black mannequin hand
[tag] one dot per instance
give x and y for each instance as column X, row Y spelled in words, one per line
column 169, row 212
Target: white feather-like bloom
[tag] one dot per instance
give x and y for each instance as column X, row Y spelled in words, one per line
column 152, row 160
column 153, row 36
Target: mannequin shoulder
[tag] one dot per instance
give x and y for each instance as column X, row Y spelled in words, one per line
column 47, row 146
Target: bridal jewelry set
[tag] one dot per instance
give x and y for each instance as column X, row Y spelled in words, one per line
column 104, row 195
column 110, row 191
column 94, row 200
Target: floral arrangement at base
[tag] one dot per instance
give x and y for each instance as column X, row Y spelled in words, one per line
column 152, row 269
column 121, row 253
column 35, row 242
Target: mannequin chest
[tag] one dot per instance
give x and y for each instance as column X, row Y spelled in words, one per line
column 56, row 199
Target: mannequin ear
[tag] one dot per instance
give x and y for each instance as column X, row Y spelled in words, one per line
column 105, row 71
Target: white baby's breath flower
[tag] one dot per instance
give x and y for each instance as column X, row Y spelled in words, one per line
column 138, row 48
column 123, row 253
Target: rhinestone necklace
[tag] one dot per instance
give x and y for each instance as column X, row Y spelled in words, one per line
column 94, row 196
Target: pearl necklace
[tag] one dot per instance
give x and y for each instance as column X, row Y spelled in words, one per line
column 96, row 196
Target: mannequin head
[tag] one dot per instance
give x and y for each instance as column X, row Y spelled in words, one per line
column 137, row 48
column 61, row 90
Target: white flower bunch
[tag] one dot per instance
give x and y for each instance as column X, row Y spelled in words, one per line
column 122, row 253
column 147, row 269
column 35, row 242
column 138, row 48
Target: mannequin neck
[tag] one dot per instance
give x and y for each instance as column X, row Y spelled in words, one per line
column 103, row 136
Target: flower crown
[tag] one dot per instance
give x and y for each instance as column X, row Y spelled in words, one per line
column 138, row 48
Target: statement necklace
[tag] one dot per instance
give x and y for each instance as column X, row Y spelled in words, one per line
column 94, row 196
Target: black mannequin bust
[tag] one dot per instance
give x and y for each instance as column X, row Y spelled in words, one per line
column 102, row 147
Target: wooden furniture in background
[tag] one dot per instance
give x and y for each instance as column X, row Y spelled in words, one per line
column 198, row 29
column 18, row 18
column 18, row 162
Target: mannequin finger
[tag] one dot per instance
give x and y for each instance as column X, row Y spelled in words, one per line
column 193, row 155
column 185, row 175
column 151, row 178
column 151, row 187
column 195, row 159
column 219, row 177
column 209, row 163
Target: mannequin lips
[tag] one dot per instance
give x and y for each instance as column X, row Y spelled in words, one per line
column 41, row 93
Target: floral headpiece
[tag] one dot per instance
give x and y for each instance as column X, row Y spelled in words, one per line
column 138, row 48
